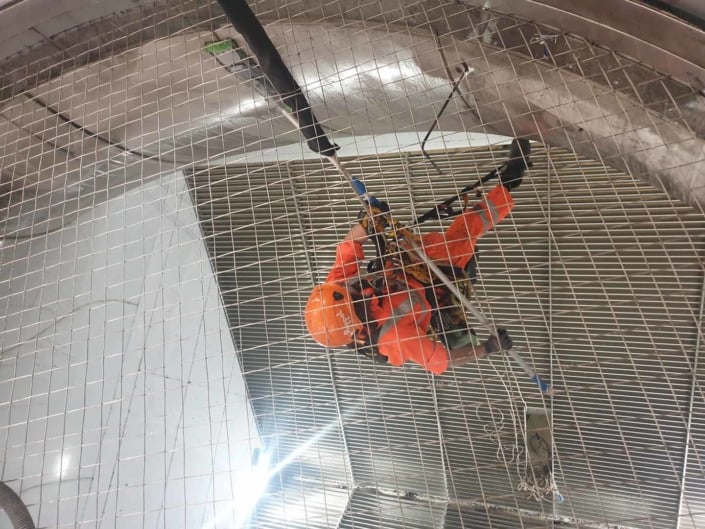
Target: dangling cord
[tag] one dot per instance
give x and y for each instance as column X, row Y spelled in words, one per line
column 466, row 71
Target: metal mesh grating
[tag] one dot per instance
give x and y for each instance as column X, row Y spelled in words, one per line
column 580, row 285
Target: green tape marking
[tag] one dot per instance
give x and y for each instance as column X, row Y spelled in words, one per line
column 214, row 48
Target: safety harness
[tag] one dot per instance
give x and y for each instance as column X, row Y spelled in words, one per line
column 448, row 324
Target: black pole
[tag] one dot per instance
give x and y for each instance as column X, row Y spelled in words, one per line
column 245, row 22
column 519, row 152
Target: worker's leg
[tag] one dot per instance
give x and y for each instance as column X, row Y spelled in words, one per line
column 457, row 244
column 442, row 249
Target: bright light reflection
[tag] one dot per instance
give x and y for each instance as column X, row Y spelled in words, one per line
column 63, row 464
column 250, row 484
column 253, row 483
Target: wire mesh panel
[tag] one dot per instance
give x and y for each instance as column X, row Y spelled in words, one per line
column 163, row 225
column 300, row 505
column 371, row 509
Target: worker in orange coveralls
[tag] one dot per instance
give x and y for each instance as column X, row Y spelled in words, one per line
column 396, row 320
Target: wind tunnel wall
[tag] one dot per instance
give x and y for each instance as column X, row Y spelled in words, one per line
column 162, row 226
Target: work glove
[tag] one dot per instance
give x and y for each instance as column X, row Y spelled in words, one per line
column 380, row 214
column 501, row 342
column 518, row 161
column 512, row 175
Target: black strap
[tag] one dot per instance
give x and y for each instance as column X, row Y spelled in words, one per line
column 471, row 267
column 377, row 264
column 370, row 336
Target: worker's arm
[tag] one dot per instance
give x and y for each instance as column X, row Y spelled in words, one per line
column 348, row 256
column 467, row 353
column 356, row 234
column 407, row 342
column 349, row 253
column 463, row 355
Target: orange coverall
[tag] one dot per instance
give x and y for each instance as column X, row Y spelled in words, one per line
column 404, row 314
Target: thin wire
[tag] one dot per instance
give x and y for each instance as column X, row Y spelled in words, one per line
column 699, row 340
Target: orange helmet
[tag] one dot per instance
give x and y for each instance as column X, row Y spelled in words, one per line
column 330, row 317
